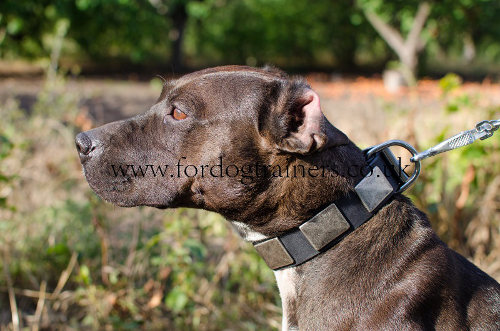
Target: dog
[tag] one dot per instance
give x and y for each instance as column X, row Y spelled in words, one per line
column 391, row 272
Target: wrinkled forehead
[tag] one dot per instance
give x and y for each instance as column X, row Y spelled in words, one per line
column 227, row 77
column 226, row 89
column 237, row 70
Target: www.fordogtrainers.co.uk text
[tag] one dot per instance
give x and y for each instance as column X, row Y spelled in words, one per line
column 247, row 172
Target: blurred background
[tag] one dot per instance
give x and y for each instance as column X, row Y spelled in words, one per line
column 411, row 70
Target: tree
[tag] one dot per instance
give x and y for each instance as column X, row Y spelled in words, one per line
column 176, row 11
column 406, row 49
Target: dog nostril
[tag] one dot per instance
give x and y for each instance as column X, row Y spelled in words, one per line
column 83, row 144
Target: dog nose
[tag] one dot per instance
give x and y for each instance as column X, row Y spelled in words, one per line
column 83, row 144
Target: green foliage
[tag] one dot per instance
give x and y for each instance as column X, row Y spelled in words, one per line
column 282, row 31
column 450, row 82
column 6, row 147
column 104, row 29
column 286, row 32
column 453, row 185
column 442, row 183
column 450, row 26
column 455, row 101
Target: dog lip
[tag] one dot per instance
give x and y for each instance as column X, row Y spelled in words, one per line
column 118, row 188
column 111, row 187
column 119, row 185
column 84, row 158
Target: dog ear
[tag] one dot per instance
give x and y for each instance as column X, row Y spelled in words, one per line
column 304, row 128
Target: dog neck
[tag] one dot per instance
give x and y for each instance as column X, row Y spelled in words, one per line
column 305, row 195
column 396, row 225
column 289, row 279
column 292, row 211
column 290, row 201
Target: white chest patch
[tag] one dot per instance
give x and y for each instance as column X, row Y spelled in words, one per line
column 287, row 284
column 286, row 278
column 246, row 233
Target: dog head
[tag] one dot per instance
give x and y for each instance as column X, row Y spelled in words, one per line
column 212, row 141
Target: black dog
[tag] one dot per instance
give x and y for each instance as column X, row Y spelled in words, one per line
column 390, row 273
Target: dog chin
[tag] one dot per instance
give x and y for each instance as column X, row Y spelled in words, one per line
column 123, row 196
column 113, row 192
column 129, row 203
column 116, row 197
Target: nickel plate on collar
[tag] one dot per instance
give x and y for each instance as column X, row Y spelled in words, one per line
column 373, row 189
column 325, row 227
column 369, row 152
column 274, row 253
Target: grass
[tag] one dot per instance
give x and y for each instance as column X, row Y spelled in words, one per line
column 70, row 261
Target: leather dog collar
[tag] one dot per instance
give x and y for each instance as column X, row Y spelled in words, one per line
column 337, row 220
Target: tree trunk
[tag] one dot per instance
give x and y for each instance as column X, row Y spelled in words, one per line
column 179, row 18
column 407, row 50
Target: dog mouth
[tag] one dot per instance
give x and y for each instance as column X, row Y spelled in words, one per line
column 121, row 184
column 110, row 188
column 127, row 191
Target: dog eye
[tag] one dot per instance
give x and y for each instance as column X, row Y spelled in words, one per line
column 178, row 115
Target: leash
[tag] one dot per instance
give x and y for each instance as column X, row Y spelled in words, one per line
column 483, row 130
column 329, row 226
